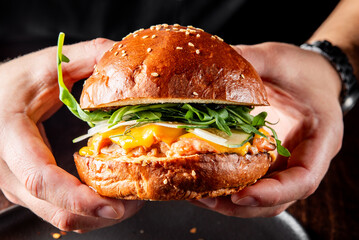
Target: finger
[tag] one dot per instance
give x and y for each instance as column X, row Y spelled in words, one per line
column 256, row 56
column 225, row 206
column 32, row 163
column 306, row 167
column 83, row 57
column 60, row 218
column 266, row 57
column 38, row 76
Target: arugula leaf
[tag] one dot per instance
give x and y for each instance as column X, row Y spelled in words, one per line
column 148, row 115
column 280, row 149
column 67, row 98
column 259, row 120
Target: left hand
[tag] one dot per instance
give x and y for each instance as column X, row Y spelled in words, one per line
column 303, row 90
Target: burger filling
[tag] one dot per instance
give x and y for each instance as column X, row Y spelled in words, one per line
column 159, row 141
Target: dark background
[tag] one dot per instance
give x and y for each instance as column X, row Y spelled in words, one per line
column 26, row 26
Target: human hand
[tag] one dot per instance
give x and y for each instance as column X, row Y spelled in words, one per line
column 29, row 175
column 303, row 90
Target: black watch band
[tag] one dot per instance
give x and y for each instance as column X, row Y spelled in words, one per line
column 350, row 90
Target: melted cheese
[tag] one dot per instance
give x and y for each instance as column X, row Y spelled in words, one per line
column 146, row 136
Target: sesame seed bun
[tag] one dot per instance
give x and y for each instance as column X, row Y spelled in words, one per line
column 172, row 64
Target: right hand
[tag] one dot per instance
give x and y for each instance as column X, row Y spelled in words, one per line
column 29, row 175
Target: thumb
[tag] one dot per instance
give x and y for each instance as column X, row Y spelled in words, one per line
column 257, row 55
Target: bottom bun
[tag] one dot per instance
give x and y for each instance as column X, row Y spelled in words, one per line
column 176, row 178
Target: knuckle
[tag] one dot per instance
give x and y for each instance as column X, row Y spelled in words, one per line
column 34, row 183
column 311, row 185
column 74, row 205
column 100, row 41
column 63, row 220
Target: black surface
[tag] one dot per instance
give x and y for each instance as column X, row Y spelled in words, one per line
column 159, row 220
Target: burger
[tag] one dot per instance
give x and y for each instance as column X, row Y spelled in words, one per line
column 169, row 109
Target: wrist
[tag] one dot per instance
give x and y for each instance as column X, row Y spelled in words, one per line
column 349, row 93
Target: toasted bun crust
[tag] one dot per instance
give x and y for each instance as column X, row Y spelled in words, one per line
column 172, row 64
column 177, row 178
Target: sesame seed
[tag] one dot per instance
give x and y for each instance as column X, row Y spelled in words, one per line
column 165, row 181
column 158, row 27
column 116, row 53
column 179, row 48
column 193, row 173
column 182, row 30
column 176, row 25
column 153, row 36
column 146, row 36
column 135, row 35
column 187, row 32
column 220, row 39
column 111, row 49
column 165, row 25
column 213, row 37
column 192, row 30
column 120, row 46
column 124, row 54
column 190, row 26
column 242, row 76
column 114, row 44
column 152, row 28
column 154, row 74
column 141, row 29
column 197, row 51
column 149, row 50
column 94, row 66
column 195, row 93
column 123, row 51
column 175, row 29
column 198, row 35
column 190, row 44
column 168, row 29
column 200, row 29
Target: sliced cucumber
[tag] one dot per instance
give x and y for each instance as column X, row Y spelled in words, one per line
column 237, row 139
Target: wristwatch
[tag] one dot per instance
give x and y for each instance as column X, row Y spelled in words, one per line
column 349, row 94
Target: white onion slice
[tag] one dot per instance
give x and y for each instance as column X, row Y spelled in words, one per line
column 132, row 122
column 209, row 136
column 103, row 127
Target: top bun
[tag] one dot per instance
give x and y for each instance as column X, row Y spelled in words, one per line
column 171, row 63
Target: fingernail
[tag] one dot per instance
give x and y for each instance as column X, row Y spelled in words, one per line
column 209, row 202
column 108, row 212
column 246, row 201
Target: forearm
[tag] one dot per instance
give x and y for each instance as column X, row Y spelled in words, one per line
column 341, row 28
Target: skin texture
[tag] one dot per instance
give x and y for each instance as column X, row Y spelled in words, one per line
column 29, row 175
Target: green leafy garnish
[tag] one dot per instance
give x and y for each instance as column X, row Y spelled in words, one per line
column 226, row 118
column 68, row 99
